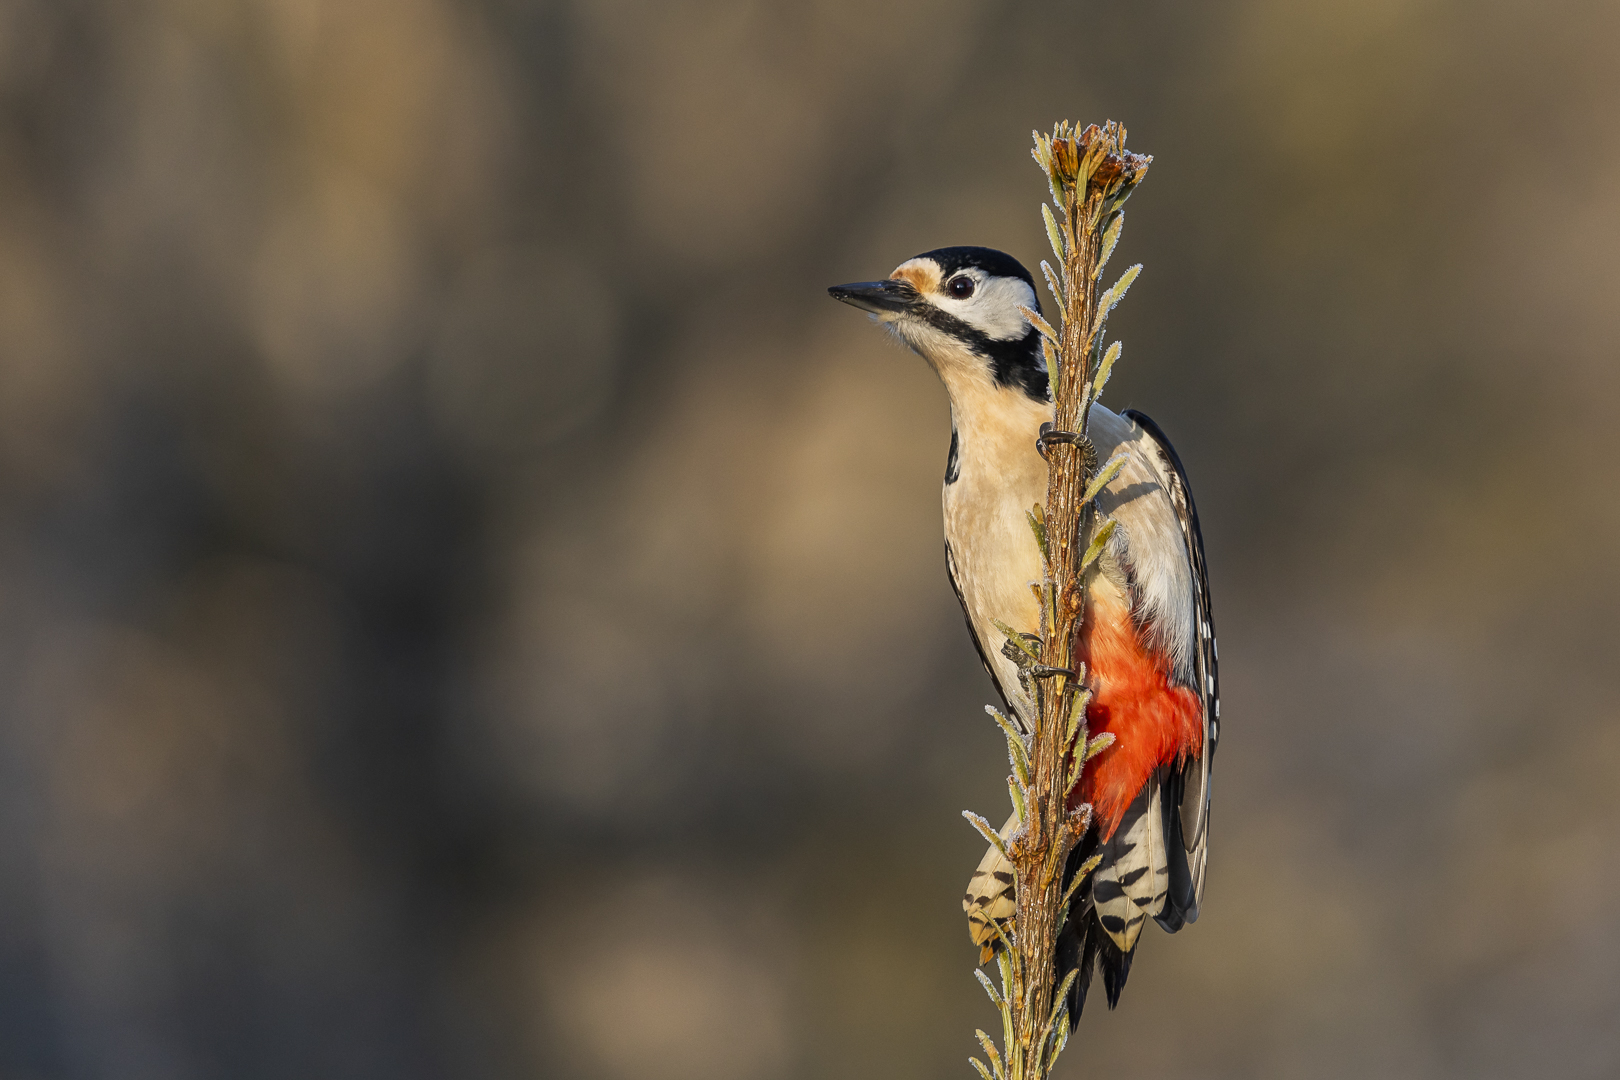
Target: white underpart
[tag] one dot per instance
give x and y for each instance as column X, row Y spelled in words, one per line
column 1001, row 476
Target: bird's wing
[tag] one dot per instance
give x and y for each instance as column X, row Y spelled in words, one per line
column 978, row 646
column 1186, row 806
column 990, row 896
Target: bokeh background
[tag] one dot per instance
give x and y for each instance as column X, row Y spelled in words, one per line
column 471, row 606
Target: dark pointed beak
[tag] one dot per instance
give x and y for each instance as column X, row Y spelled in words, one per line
column 878, row 297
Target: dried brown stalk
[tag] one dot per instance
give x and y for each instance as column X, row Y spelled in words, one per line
column 1091, row 175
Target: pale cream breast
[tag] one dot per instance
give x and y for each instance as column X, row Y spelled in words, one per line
column 1000, row 477
column 994, row 554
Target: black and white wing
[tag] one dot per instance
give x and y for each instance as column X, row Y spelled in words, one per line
column 1187, row 791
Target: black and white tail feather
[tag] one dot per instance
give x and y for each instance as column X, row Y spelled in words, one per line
column 1155, row 862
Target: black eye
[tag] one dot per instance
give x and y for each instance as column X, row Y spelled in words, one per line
column 960, row 286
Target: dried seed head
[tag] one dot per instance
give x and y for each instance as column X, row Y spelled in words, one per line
column 1095, row 158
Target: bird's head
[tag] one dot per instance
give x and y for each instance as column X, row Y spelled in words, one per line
column 958, row 307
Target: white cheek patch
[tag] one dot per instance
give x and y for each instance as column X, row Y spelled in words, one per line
column 993, row 307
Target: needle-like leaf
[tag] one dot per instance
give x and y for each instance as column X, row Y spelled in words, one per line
column 1114, row 295
column 987, row 832
column 989, row 987
column 1105, row 532
column 1062, row 995
column 1080, row 875
column 1110, row 238
column 1077, row 713
column 990, row 1052
column 1037, row 525
column 1017, row 751
column 1015, row 791
column 1062, row 1034
column 1104, row 369
column 1109, row 470
column 1038, row 322
column 1007, row 960
column 1054, row 286
column 1054, row 235
column 1050, row 355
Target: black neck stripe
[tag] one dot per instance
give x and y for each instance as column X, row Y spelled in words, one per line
column 1015, row 362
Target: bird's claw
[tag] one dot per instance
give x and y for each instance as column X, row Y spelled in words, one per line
column 1049, row 435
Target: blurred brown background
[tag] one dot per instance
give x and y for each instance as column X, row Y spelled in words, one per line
column 471, row 605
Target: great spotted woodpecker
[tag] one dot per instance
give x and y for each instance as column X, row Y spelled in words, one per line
column 1147, row 638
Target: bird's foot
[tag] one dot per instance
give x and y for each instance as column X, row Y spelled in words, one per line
column 1050, row 435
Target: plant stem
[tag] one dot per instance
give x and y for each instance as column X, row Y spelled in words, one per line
column 1091, row 175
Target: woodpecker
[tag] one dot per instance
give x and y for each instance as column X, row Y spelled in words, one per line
column 1147, row 637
